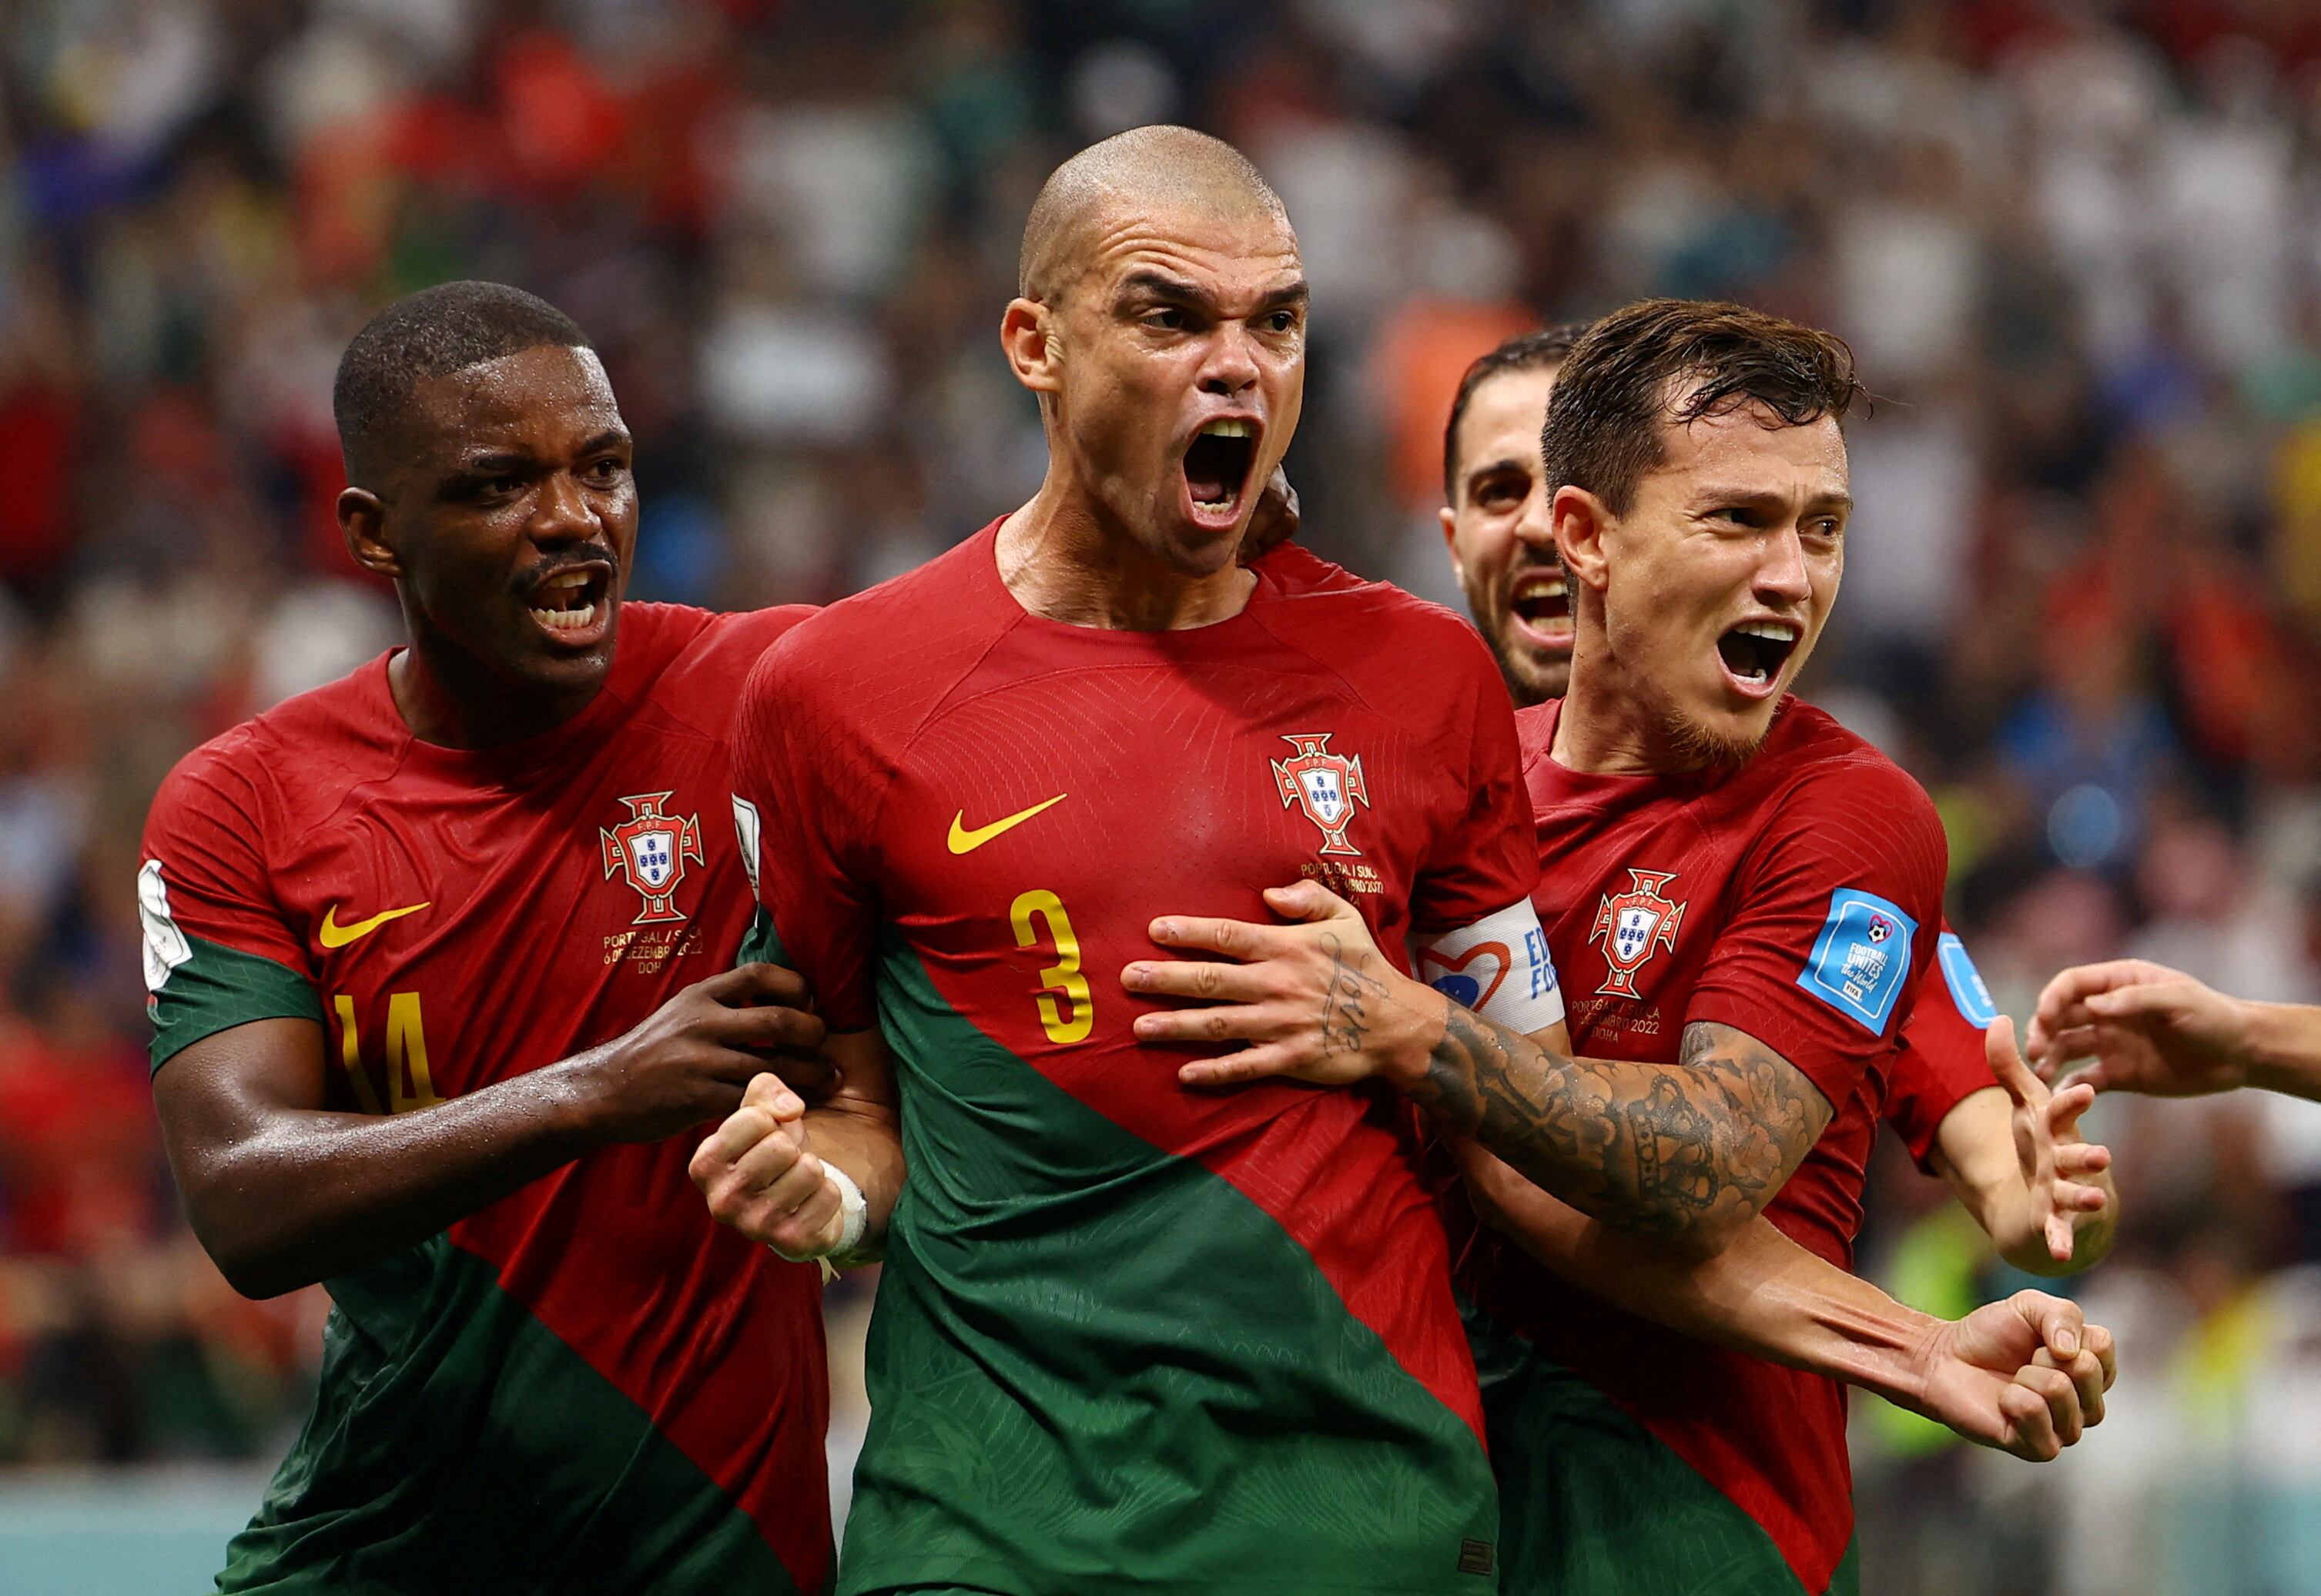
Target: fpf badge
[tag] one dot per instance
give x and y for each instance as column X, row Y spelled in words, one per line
column 1325, row 784
column 653, row 849
column 1633, row 926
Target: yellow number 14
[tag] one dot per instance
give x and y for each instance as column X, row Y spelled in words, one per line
column 1064, row 975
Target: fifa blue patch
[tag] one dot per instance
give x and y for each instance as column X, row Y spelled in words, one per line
column 1965, row 982
column 1861, row 957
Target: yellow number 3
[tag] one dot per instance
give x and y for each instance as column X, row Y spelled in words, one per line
column 1062, row 976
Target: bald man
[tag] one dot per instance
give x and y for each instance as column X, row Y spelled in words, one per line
column 1129, row 1335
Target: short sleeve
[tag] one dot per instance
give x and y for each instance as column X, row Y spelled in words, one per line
column 798, row 786
column 1833, row 923
column 1488, row 859
column 217, row 950
column 1941, row 1063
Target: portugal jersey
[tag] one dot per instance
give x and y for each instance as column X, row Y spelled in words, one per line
column 1942, row 1062
column 588, row 1385
column 1132, row 1336
column 1795, row 898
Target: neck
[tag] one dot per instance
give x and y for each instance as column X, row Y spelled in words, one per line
column 449, row 699
column 1607, row 726
column 1065, row 559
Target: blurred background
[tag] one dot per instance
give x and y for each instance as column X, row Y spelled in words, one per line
column 2076, row 243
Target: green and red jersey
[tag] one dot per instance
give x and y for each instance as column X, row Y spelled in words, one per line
column 1131, row 1337
column 1796, row 898
column 588, row 1385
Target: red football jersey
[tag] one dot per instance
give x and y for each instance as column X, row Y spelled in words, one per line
column 1942, row 1062
column 1795, row 898
column 1126, row 1328
column 580, row 1383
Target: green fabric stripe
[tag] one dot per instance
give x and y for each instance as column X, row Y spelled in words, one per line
column 1094, row 1366
column 458, row 1445
column 761, row 944
column 221, row 987
column 1591, row 1503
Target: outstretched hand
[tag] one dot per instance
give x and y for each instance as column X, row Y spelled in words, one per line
column 2147, row 1028
column 2049, row 1149
column 2026, row 1375
column 1314, row 998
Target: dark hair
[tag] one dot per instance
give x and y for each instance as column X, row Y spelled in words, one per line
column 428, row 334
column 1674, row 361
column 1525, row 351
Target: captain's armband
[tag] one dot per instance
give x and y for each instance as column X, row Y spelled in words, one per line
column 1498, row 967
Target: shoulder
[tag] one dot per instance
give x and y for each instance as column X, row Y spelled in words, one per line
column 1834, row 796
column 867, row 669
column 689, row 663
column 1374, row 633
column 326, row 739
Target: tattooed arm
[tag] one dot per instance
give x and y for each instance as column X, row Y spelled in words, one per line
column 1689, row 1152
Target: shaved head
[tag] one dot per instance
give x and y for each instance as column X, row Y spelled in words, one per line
column 1147, row 168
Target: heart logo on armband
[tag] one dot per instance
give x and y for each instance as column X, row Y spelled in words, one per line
column 1471, row 978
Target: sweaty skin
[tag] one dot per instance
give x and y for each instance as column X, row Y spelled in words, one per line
column 514, row 470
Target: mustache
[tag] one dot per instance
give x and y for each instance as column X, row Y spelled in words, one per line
column 565, row 559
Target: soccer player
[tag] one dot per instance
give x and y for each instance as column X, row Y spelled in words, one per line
column 1749, row 894
column 1129, row 1335
column 2048, row 1203
column 440, row 956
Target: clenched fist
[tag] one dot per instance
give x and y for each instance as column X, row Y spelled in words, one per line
column 760, row 1177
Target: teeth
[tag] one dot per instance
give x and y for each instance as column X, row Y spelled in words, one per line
column 1545, row 584
column 1778, row 632
column 565, row 620
column 1229, row 427
column 564, row 580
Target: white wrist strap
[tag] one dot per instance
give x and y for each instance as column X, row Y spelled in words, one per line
column 853, row 1210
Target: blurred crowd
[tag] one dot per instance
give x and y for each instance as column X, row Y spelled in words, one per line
column 2075, row 243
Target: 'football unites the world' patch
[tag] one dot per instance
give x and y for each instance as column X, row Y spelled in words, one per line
column 1861, row 957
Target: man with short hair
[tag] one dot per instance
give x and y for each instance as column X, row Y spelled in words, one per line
column 1130, row 1337
column 439, row 960
column 1749, row 896
column 2049, row 1204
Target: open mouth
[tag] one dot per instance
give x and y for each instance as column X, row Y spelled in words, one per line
column 569, row 604
column 1755, row 651
column 1541, row 604
column 1216, row 469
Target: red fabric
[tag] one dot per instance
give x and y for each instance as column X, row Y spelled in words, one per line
column 1940, row 1064
column 1752, row 857
column 529, row 949
column 936, row 698
column 37, row 427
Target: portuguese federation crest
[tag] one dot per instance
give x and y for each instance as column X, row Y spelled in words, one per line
column 1325, row 784
column 652, row 849
column 1633, row 926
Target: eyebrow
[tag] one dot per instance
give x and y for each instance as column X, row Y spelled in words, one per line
column 1170, row 290
column 1759, row 496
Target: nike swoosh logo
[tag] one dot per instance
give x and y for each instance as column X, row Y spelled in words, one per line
column 964, row 841
column 334, row 935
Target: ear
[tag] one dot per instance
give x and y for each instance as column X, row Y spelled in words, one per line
column 1027, row 335
column 362, row 522
column 1580, row 522
column 1450, row 520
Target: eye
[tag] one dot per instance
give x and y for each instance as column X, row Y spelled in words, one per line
column 1737, row 515
column 1167, row 319
column 608, row 470
column 1281, row 322
column 1499, row 493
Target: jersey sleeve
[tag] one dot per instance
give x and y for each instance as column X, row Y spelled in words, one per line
column 1831, row 924
column 1486, row 858
column 1942, row 1062
column 799, row 794
column 218, row 952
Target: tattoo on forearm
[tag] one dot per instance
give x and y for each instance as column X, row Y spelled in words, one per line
column 1347, row 1001
column 1679, row 1150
